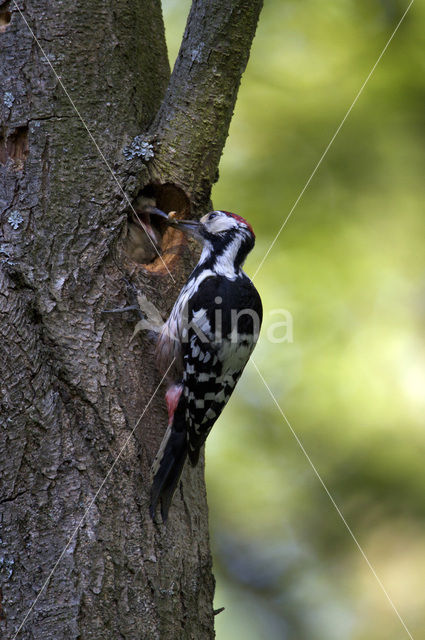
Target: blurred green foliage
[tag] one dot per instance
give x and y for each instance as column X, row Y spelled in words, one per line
column 349, row 266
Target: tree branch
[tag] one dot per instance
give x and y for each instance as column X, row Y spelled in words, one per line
column 192, row 123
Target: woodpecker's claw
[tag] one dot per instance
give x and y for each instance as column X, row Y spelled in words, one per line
column 132, row 307
column 153, row 320
column 150, row 317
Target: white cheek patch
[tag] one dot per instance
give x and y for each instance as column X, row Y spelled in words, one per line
column 221, row 223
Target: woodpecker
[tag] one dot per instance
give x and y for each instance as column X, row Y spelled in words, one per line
column 210, row 334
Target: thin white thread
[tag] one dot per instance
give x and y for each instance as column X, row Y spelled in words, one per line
column 331, row 141
column 46, row 582
column 92, row 137
column 332, row 499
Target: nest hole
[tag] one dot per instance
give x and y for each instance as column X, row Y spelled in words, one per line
column 150, row 241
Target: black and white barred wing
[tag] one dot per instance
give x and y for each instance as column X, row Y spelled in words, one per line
column 211, row 371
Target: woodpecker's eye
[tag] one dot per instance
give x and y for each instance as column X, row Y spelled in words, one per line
column 212, row 216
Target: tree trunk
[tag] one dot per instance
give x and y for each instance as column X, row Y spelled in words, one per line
column 82, row 414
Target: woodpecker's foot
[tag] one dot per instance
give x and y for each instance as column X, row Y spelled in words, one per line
column 150, row 317
column 132, row 298
column 132, row 307
column 153, row 321
column 151, row 312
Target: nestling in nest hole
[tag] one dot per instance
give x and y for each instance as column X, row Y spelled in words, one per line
column 149, row 240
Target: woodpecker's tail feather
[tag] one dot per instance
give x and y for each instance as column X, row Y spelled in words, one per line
column 167, row 470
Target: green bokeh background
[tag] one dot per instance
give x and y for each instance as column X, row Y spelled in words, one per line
column 349, row 267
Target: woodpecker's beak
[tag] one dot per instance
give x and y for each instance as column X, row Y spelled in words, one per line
column 192, row 227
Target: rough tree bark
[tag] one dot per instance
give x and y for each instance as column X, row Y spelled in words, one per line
column 72, row 387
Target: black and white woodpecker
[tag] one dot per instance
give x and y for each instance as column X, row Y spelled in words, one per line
column 211, row 332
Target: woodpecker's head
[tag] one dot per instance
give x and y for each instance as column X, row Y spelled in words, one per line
column 225, row 236
column 218, row 223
